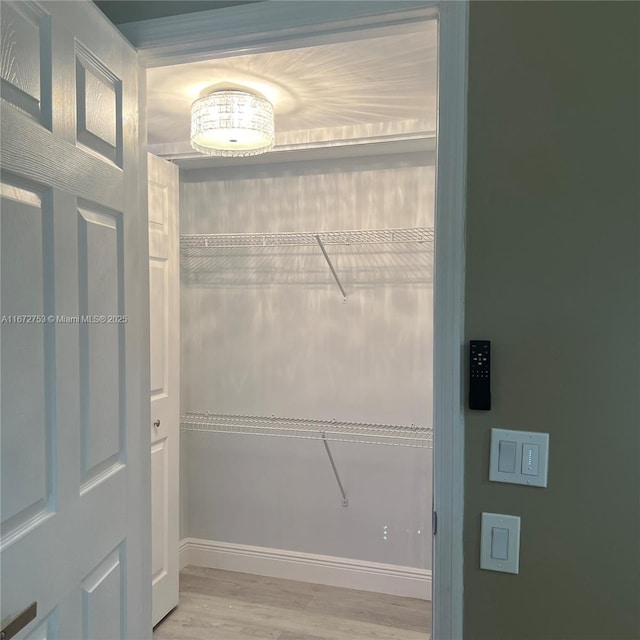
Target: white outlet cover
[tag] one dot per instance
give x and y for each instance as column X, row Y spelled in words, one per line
column 500, row 521
column 520, row 438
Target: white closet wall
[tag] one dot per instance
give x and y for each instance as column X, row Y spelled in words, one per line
column 271, row 335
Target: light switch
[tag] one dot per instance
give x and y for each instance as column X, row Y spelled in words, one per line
column 530, row 455
column 519, row 457
column 507, row 456
column 499, row 543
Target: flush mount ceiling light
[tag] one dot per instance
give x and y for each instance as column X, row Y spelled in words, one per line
column 232, row 123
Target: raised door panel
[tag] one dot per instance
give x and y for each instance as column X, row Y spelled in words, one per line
column 99, row 106
column 158, row 326
column 104, row 599
column 159, row 509
column 25, row 33
column 101, row 344
column 48, row 629
column 158, row 207
column 27, row 348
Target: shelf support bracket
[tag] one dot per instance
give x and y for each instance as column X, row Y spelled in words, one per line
column 345, row 502
column 333, row 271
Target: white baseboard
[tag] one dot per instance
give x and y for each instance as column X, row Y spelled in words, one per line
column 307, row 567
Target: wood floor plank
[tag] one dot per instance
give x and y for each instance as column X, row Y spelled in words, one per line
column 382, row 609
column 224, row 605
column 252, row 589
column 295, row 636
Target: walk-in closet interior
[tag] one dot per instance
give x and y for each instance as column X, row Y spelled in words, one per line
column 306, row 314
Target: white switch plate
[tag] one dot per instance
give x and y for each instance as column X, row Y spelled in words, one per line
column 521, row 474
column 500, row 522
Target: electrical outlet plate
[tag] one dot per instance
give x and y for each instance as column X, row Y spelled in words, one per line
column 525, row 463
column 500, row 554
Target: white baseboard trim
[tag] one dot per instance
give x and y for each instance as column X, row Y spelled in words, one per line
column 307, row 567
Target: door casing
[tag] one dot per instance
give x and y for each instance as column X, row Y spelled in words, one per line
column 273, row 26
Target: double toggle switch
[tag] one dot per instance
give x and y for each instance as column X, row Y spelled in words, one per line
column 519, row 457
column 508, row 457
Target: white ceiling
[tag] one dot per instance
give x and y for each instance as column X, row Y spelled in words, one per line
column 347, row 93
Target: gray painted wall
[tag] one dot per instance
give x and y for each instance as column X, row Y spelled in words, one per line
column 271, row 335
column 553, row 279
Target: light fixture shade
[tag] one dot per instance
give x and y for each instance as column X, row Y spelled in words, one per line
column 232, row 123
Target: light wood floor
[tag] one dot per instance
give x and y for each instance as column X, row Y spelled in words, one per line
column 223, row 605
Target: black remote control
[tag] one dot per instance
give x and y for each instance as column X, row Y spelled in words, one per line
column 480, row 375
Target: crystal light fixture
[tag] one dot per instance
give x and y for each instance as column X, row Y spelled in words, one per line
column 232, row 123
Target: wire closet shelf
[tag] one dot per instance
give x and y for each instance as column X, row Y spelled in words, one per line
column 360, row 258
column 197, row 244
column 327, row 430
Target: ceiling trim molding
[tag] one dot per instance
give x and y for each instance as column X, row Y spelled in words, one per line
column 270, row 26
column 362, row 149
column 372, row 145
column 190, row 171
column 178, row 150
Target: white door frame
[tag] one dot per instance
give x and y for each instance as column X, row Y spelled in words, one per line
column 448, row 441
column 272, row 26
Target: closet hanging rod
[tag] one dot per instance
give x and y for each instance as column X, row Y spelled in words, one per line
column 329, row 430
column 293, row 238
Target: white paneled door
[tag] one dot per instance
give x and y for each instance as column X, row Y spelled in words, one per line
column 164, row 296
column 75, row 511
